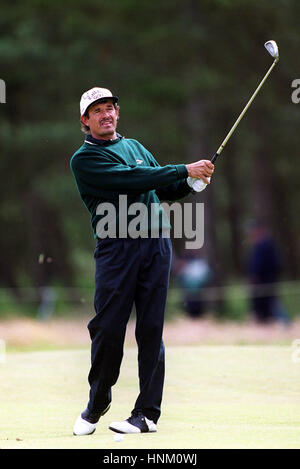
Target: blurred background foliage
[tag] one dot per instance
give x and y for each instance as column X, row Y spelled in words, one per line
column 183, row 72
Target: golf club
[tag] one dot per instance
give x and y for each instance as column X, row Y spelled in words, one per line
column 272, row 48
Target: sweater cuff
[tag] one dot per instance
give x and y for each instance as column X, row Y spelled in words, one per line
column 182, row 172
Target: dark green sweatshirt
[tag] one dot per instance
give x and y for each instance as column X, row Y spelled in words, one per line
column 104, row 170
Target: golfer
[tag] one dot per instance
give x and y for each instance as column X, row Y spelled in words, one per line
column 129, row 270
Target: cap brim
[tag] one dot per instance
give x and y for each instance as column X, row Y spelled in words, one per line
column 115, row 99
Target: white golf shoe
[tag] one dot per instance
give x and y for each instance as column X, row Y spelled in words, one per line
column 135, row 424
column 83, row 427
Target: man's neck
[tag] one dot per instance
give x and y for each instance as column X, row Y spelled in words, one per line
column 100, row 141
column 111, row 136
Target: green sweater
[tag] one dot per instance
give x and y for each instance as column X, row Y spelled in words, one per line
column 105, row 170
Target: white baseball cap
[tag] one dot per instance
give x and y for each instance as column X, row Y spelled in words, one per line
column 93, row 95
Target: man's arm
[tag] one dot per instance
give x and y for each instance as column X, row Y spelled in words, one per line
column 201, row 169
column 96, row 173
column 175, row 191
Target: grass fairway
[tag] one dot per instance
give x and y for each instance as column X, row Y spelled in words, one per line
column 215, row 397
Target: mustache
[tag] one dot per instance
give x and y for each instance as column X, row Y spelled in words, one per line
column 103, row 121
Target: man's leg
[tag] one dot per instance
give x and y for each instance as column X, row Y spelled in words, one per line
column 115, row 278
column 150, row 301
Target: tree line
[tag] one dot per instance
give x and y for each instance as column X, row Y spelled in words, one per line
column 183, row 72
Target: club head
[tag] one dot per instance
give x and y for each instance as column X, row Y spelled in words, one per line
column 272, row 48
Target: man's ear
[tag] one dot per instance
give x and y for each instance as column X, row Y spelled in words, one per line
column 84, row 119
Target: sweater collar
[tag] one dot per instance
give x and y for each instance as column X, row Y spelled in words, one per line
column 95, row 141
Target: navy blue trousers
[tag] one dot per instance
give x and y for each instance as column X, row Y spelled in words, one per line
column 129, row 271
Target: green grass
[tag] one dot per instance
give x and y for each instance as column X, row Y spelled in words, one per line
column 215, row 397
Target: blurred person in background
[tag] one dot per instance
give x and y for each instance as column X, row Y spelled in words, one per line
column 264, row 269
column 193, row 274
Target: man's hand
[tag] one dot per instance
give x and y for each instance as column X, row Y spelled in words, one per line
column 202, row 169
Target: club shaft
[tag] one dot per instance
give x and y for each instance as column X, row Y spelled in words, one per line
column 221, row 148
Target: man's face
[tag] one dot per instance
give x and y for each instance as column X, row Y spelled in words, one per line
column 102, row 120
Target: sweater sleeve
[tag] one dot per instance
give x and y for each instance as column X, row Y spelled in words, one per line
column 100, row 172
column 174, row 191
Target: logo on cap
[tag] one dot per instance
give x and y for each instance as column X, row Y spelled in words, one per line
column 92, row 95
